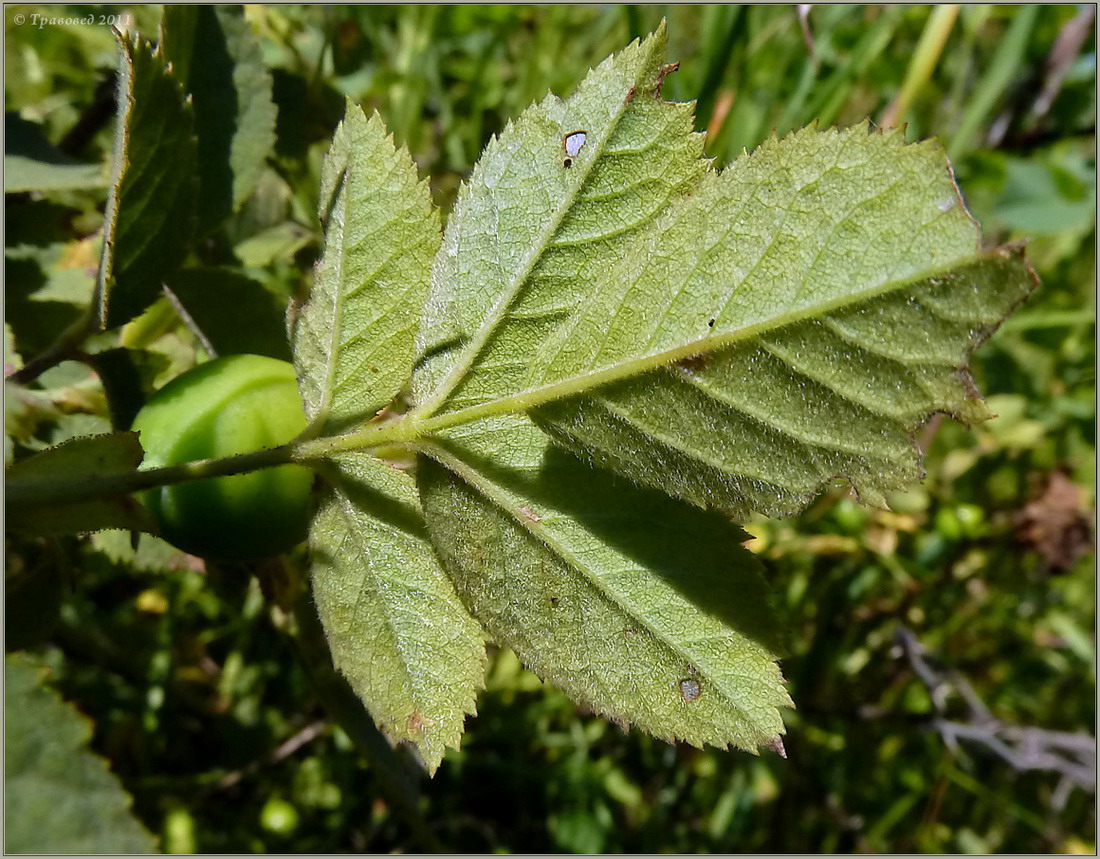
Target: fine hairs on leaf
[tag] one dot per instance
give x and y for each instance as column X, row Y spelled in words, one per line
column 620, row 348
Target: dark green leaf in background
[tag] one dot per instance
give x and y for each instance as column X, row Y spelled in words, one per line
column 150, row 211
column 31, row 509
column 236, row 314
column 217, row 60
column 58, row 796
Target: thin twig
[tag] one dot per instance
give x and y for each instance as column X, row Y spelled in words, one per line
column 189, row 321
column 65, row 347
column 1024, row 748
column 280, row 753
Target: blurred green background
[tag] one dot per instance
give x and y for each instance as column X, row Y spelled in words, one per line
column 209, row 708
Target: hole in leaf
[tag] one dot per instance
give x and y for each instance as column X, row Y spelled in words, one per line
column 573, row 142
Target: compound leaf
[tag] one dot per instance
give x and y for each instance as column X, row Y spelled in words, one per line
column 58, row 796
column 642, row 607
column 353, row 342
column 395, row 627
column 736, row 339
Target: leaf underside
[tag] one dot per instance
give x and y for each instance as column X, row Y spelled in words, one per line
column 642, row 607
column 736, row 339
column 764, row 425
column 529, row 236
column 394, row 624
column 353, row 342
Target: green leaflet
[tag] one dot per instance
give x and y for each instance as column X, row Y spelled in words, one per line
column 529, row 236
column 646, row 609
column 842, row 267
column 31, row 509
column 394, row 625
column 58, row 797
column 763, row 425
column 218, row 59
column 811, row 223
column 150, row 214
column 353, row 343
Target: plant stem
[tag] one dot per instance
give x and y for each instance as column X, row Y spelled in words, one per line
column 416, row 425
column 54, row 489
column 423, row 422
column 66, row 346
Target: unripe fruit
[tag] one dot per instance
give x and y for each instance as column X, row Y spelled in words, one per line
column 232, row 405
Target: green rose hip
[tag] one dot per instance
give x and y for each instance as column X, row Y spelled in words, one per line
column 232, row 405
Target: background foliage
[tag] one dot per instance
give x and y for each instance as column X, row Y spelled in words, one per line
column 209, row 707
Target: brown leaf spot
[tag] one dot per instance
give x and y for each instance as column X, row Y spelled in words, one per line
column 693, row 364
column 690, row 689
column 529, row 513
column 417, row 722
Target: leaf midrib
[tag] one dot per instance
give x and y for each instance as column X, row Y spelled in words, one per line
column 348, row 512
column 341, row 204
column 508, row 296
column 414, row 428
column 588, row 381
